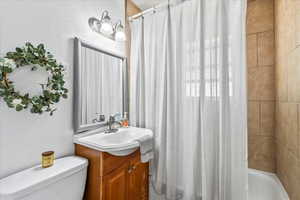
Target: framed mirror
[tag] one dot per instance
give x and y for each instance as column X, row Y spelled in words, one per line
column 100, row 85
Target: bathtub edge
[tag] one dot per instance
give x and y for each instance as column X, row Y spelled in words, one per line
column 274, row 177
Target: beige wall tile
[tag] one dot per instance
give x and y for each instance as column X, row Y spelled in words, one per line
column 292, row 134
column 298, row 153
column 282, row 164
column 288, row 94
column 253, row 77
column 267, row 118
column 293, row 181
column 252, row 50
column 281, row 79
column 282, row 115
column 253, row 117
column 261, row 83
column 132, row 9
column 297, row 6
column 281, row 51
column 297, row 194
column 268, row 166
column 261, row 152
column 297, row 28
column 281, row 157
column 260, row 16
column 266, row 48
column 266, row 83
column 289, row 27
column 294, row 76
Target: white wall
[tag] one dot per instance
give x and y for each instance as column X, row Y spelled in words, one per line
column 23, row 136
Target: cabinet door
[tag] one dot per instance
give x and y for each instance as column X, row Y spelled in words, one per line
column 115, row 185
column 138, row 181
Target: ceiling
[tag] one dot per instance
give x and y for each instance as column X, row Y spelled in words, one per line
column 145, row 4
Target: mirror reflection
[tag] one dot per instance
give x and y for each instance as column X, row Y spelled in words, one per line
column 100, row 86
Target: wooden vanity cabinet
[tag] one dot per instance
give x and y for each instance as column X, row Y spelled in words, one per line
column 114, row 177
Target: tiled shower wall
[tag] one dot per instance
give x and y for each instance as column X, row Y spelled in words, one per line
column 261, row 85
column 287, row 17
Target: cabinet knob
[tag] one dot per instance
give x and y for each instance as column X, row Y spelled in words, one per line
column 129, row 169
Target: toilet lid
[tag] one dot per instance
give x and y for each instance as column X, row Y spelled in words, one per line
column 29, row 180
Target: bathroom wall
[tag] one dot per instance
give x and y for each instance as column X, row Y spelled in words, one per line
column 23, row 136
column 287, row 31
column 261, row 85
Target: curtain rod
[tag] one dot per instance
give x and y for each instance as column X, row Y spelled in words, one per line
column 152, row 9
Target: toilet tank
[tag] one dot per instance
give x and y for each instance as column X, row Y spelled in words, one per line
column 65, row 180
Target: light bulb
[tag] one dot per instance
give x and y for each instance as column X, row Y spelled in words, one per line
column 119, row 32
column 106, row 28
column 120, row 36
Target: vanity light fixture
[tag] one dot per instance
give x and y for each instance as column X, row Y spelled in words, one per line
column 105, row 27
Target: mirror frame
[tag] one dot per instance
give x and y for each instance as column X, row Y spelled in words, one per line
column 78, row 43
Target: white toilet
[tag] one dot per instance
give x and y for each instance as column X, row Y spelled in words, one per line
column 65, row 180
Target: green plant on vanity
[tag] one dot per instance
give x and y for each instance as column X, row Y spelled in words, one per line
column 52, row 91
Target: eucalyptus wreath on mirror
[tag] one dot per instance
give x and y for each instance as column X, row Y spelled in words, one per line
column 52, row 91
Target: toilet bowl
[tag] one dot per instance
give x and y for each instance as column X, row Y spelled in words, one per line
column 65, row 180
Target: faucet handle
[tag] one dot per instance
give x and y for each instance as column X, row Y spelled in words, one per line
column 100, row 118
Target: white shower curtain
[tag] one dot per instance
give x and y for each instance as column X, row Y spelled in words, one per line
column 101, row 85
column 188, row 84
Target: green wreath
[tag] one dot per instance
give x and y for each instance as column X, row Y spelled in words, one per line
column 52, row 91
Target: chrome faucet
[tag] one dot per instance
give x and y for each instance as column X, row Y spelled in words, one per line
column 110, row 123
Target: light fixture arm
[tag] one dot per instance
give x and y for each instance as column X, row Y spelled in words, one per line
column 105, row 14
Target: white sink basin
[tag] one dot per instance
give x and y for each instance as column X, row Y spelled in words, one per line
column 121, row 143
